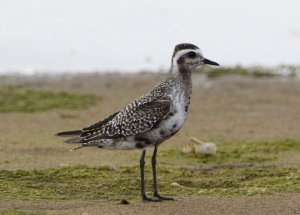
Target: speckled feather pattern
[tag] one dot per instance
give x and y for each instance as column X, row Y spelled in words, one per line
column 146, row 121
column 138, row 117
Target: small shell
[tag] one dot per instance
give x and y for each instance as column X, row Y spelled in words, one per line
column 206, row 148
column 175, row 184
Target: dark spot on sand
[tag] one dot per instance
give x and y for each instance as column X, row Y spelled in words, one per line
column 124, row 202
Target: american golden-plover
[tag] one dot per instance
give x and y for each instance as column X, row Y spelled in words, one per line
column 151, row 119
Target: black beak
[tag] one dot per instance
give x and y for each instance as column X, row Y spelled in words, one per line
column 206, row 61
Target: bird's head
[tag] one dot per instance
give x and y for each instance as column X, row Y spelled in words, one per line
column 189, row 56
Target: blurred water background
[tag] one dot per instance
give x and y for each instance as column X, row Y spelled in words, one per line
column 128, row 36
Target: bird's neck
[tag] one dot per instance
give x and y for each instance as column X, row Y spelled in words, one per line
column 181, row 75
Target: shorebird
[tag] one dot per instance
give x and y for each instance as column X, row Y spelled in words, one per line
column 151, row 119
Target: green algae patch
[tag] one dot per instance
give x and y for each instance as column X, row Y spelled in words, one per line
column 86, row 183
column 238, row 168
column 19, row 99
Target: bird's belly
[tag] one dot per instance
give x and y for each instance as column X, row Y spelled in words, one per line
column 173, row 124
column 174, row 121
column 167, row 128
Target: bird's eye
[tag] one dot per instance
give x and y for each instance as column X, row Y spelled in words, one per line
column 191, row 54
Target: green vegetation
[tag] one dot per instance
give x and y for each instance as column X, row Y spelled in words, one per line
column 18, row 99
column 85, row 183
column 237, row 169
column 279, row 71
column 232, row 153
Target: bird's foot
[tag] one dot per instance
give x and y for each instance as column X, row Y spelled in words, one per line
column 147, row 199
column 156, row 195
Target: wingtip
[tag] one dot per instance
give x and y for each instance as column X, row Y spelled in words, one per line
column 69, row 133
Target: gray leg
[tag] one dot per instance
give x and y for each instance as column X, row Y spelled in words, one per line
column 155, row 192
column 142, row 164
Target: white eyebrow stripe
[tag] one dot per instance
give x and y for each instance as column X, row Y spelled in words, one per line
column 183, row 52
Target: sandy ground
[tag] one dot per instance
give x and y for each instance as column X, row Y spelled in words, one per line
column 282, row 204
column 224, row 109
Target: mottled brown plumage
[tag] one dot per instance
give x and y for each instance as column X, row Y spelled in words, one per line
column 150, row 119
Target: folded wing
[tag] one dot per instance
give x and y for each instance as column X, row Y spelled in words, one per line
column 136, row 118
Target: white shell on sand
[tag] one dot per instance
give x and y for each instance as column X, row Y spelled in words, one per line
column 196, row 146
column 207, row 149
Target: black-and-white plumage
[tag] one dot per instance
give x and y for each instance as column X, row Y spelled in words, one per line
column 150, row 119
